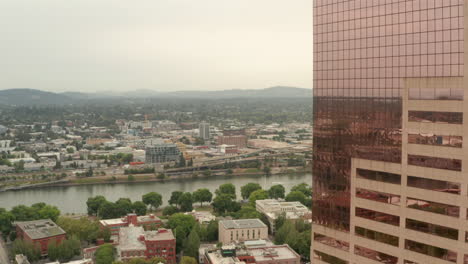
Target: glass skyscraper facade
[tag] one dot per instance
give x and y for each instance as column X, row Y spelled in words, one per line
column 382, row 68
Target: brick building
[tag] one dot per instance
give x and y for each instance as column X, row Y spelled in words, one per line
column 239, row 141
column 146, row 221
column 40, row 233
column 135, row 242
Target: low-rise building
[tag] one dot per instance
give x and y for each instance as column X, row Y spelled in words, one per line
column 242, row 230
column 258, row 253
column 239, row 141
column 274, row 208
column 135, row 242
column 146, row 221
column 202, row 217
column 40, row 233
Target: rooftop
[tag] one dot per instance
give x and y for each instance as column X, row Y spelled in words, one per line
column 281, row 252
column 40, row 228
column 129, row 238
column 160, row 234
column 243, row 223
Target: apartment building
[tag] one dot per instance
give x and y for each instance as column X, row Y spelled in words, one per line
column 389, row 181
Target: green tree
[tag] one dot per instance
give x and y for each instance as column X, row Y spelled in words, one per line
column 65, row 251
column 94, row 203
column 224, row 203
column 202, row 195
column 267, row 170
column 26, row 248
column 296, row 196
column 130, row 178
column 257, row 195
column 303, row 188
column 139, row 207
column 125, row 205
column 105, row 254
column 212, row 231
column 84, row 229
column 49, row 212
column 186, row 202
column 109, row 210
column 287, row 230
column 170, row 210
column 227, row 189
column 247, row 212
column 174, row 200
column 249, row 188
column 276, row 191
column 6, row 220
column 105, row 234
column 183, row 222
column 188, row 260
column 192, row 244
column 153, row 199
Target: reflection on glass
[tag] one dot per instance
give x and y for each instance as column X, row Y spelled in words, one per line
column 378, row 176
column 328, row 258
column 433, row 207
column 435, row 94
column 435, row 117
column 378, row 216
column 432, row 229
column 434, row 185
column 375, row 255
column 377, row 236
column 332, row 242
column 432, row 251
column 378, row 196
column 435, row 140
column 434, row 162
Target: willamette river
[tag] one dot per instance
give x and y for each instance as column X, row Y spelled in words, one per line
column 73, row 199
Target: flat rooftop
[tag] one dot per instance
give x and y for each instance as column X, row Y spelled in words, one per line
column 281, row 252
column 40, row 228
column 129, row 238
column 243, row 223
column 160, row 234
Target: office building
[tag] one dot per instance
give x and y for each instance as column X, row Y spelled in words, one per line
column 238, row 141
column 145, row 221
column 162, row 153
column 241, row 230
column 135, row 242
column 258, row 252
column 204, row 130
column 41, row 233
column 389, row 185
column 274, row 209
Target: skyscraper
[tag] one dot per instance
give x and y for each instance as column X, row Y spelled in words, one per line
column 204, row 129
column 389, row 185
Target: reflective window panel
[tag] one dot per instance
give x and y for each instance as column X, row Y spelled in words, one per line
column 378, row 176
column 435, row 140
column 332, row 242
column 433, row 207
column 432, row 229
column 378, row 216
column 328, row 258
column 432, row 251
column 435, row 162
column 375, row 255
column 435, row 117
column 378, row 196
column 377, row 236
column 434, row 185
column 435, row 94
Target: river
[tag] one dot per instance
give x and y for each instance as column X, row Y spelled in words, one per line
column 72, row 199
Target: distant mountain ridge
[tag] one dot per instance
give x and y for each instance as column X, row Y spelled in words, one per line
column 26, row 96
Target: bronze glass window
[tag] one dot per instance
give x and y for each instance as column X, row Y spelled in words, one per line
column 432, row 229
column 434, row 185
column 435, row 117
column 433, row 207
column 328, row 258
column 378, row 176
column 435, row 140
column 378, row 196
column 432, row 251
column 378, row 216
column 435, row 162
column 377, row 236
column 375, row 255
column 435, row 94
column 332, row 242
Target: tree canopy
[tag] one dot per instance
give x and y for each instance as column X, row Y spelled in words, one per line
column 249, row 188
column 152, row 199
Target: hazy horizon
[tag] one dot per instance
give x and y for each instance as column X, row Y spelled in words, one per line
column 164, row 45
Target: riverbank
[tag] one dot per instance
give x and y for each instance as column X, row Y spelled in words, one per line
column 148, row 178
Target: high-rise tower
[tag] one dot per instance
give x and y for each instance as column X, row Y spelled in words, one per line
column 390, row 173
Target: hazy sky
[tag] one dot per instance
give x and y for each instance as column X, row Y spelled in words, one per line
column 165, row 45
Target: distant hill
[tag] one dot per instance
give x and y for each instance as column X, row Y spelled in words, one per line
column 24, row 96
column 38, row 97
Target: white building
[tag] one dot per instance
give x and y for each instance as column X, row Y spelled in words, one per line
column 204, row 130
column 274, row 208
